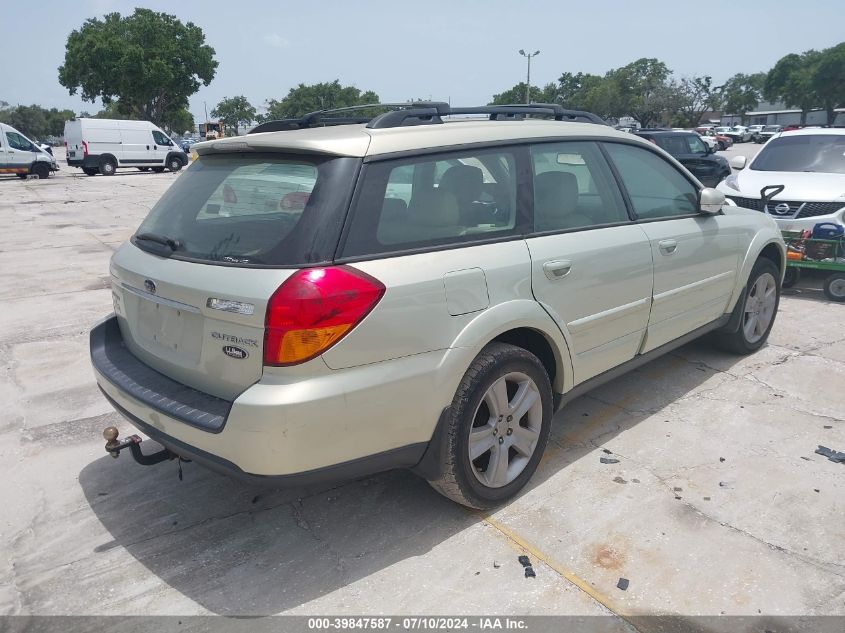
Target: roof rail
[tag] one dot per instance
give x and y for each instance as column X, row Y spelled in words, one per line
column 425, row 112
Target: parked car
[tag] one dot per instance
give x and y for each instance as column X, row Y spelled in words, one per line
column 690, row 149
column 710, row 141
column 755, row 130
column 809, row 163
column 767, row 132
column 101, row 146
column 435, row 325
column 23, row 157
column 722, row 142
column 739, row 134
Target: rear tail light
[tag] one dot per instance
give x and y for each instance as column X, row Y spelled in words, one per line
column 313, row 309
column 84, row 148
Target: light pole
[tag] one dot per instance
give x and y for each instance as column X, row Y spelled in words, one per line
column 528, row 78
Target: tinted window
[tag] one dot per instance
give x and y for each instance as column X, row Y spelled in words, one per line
column 656, row 188
column 573, row 187
column 434, row 200
column 675, row 145
column 804, row 152
column 254, row 209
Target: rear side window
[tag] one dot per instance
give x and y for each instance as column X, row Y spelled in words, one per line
column 434, row 200
column 656, row 188
column 573, row 187
column 254, row 210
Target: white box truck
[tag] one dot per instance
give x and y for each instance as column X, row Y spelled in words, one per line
column 101, row 146
column 21, row 156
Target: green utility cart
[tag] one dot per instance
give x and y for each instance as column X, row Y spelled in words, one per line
column 817, row 254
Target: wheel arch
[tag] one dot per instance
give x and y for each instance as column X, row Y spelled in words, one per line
column 767, row 244
column 525, row 324
column 104, row 157
column 178, row 156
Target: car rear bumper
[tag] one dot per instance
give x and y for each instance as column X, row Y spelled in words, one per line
column 335, row 425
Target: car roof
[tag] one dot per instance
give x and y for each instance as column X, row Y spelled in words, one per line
column 361, row 141
column 804, row 131
column 667, row 133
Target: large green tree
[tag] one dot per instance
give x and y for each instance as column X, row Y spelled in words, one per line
column 234, row 112
column 828, row 80
column 791, row 81
column 150, row 62
column 642, row 89
column 742, row 93
column 516, row 95
column 35, row 121
column 691, row 98
column 307, row 98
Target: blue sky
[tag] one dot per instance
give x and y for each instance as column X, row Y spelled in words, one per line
column 464, row 50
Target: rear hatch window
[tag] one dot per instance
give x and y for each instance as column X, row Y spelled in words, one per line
column 252, row 210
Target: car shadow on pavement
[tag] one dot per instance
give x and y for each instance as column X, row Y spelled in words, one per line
column 237, row 549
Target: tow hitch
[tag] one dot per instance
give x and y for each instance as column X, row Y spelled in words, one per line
column 133, row 443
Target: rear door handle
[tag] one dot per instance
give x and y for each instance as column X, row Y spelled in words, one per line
column 667, row 247
column 557, row 269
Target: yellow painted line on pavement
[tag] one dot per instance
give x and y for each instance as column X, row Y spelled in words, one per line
column 569, row 575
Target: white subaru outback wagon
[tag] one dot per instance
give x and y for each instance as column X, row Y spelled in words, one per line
column 335, row 296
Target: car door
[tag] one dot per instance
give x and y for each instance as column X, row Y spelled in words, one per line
column 162, row 145
column 20, row 153
column 695, row 255
column 591, row 266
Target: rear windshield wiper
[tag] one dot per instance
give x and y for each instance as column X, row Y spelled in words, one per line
column 170, row 243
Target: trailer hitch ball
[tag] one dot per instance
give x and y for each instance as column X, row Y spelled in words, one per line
column 110, row 434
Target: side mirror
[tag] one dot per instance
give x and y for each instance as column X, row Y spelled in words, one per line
column 710, row 201
column 738, row 162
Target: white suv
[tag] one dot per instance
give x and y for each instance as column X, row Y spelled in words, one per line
column 329, row 301
column 807, row 165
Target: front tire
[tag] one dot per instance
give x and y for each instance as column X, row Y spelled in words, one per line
column 497, row 428
column 758, row 309
column 174, row 164
column 791, row 277
column 41, row 171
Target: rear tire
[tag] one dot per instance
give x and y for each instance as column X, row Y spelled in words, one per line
column 108, row 167
column 497, row 428
column 143, row 169
column 90, row 171
column 41, row 171
column 758, row 309
column 834, row 287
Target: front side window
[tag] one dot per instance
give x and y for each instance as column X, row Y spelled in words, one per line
column 573, row 187
column 160, row 138
column 434, row 200
column 656, row 188
column 823, row 153
column 253, row 209
column 17, row 141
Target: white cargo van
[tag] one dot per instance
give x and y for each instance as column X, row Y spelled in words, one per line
column 100, row 146
column 19, row 155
